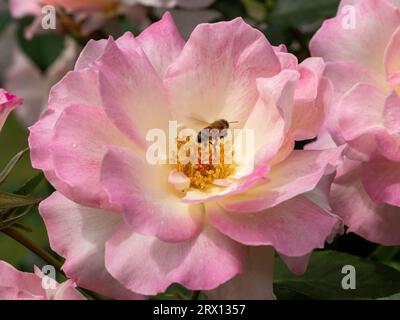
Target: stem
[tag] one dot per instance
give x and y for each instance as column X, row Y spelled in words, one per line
column 179, row 295
column 195, row 295
column 92, row 295
column 26, row 242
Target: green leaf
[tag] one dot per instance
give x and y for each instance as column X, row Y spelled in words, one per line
column 43, row 49
column 392, row 264
column 383, row 253
column 5, row 20
column 230, row 9
column 127, row 26
column 323, row 279
column 31, row 184
column 9, row 200
column 255, row 9
column 13, row 219
column 393, row 297
column 300, row 12
column 8, row 168
column 165, row 296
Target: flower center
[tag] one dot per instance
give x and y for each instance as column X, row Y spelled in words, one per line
column 208, row 165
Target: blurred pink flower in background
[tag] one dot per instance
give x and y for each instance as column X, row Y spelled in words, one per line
column 8, row 102
column 18, row 285
column 22, row 8
column 364, row 68
column 25, row 79
column 85, row 5
column 125, row 225
column 32, row 7
column 95, row 14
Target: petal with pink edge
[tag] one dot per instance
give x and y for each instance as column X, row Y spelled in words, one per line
column 388, row 141
column 360, row 111
column 308, row 117
column 287, row 60
column 388, row 145
column 255, row 282
column 151, row 205
column 333, row 42
column 15, row 284
column 310, row 71
column 162, row 43
column 391, row 114
column 67, row 291
column 279, row 91
column 294, row 228
column 95, row 49
column 90, row 53
column 268, row 127
column 296, row 265
column 78, row 151
column 324, row 141
column 365, row 147
column 381, row 180
column 215, row 75
column 79, row 236
column 297, row 174
column 376, row 222
column 346, row 74
column 392, row 54
column 8, row 102
column 149, row 266
column 130, row 86
column 39, row 143
column 77, row 87
column 270, row 115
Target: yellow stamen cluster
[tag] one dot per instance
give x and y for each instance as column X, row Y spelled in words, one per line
column 202, row 175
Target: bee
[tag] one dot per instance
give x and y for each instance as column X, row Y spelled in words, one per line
column 215, row 130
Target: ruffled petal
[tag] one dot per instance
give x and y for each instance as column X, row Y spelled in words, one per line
column 299, row 173
column 255, row 283
column 16, row 285
column 130, row 86
column 162, row 43
column 376, row 222
column 381, row 180
column 333, row 42
column 215, row 75
column 78, row 150
column 294, row 228
column 79, row 236
column 151, row 205
column 149, row 266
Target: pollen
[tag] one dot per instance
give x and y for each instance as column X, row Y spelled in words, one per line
column 203, row 173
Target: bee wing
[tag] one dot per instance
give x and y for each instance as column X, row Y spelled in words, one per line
column 197, row 122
